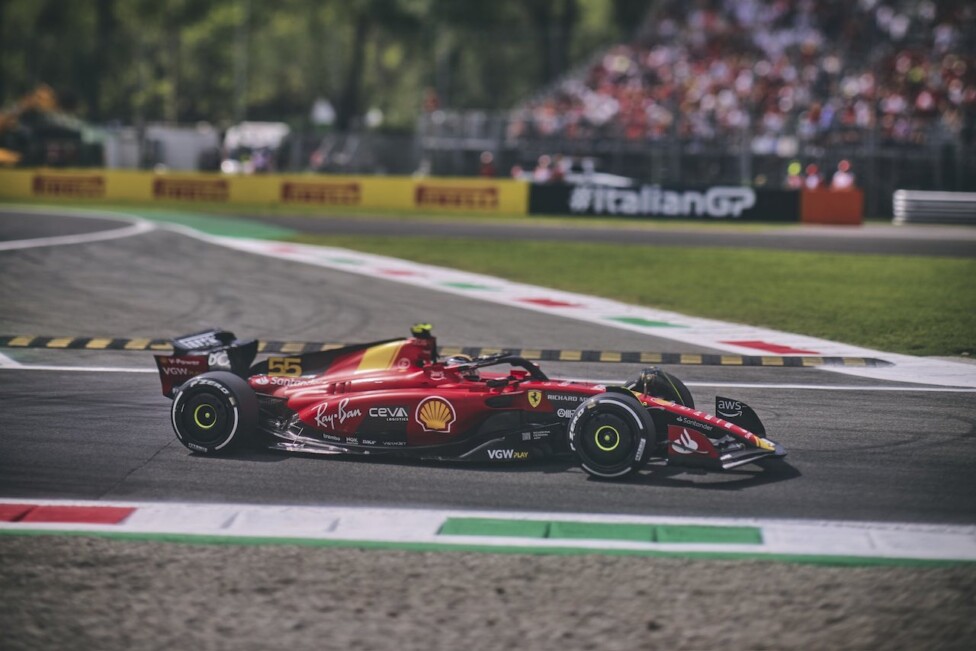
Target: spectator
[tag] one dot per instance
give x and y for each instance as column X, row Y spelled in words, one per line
column 432, row 101
column 823, row 71
column 543, row 170
column 812, row 180
column 842, row 179
column 794, row 178
column 558, row 174
column 487, row 168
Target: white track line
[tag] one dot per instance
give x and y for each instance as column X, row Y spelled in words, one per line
column 128, row 231
column 137, row 226
column 78, row 369
column 828, row 387
column 798, row 387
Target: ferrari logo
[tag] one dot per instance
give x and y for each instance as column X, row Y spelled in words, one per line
column 535, row 397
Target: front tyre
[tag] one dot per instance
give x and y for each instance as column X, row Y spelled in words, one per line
column 612, row 434
column 214, row 412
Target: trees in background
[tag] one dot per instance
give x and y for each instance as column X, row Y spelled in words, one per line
column 226, row 60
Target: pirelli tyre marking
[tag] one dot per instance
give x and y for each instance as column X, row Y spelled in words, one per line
column 535, row 354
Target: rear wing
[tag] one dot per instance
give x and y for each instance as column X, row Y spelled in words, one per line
column 197, row 353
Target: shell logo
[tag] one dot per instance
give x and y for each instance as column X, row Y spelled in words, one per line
column 435, row 415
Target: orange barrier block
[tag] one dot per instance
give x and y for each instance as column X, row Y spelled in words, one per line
column 826, row 206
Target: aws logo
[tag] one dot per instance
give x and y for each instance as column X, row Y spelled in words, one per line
column 729, row 408
column 435, row 415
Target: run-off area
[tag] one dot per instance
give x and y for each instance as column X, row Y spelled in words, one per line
column 109, row 594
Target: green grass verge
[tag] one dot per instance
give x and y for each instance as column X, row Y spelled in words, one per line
column 914, row 305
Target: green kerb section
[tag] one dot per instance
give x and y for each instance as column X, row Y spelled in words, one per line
column 557, row 530
column 189, row 539
column 589, row 531
column 709, row 534
column 634, row 320
column 467, row 286
column 215, row 225
column 494, row 527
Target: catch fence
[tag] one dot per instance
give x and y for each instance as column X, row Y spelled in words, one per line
column 451, row 144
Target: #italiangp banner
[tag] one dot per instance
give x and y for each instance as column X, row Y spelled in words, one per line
column 715, row 203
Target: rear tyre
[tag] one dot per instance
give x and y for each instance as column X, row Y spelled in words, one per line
column 214, row 412
column 653, row 381
column 612, row 434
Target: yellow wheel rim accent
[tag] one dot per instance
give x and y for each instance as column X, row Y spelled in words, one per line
column 607, row 438
column 207, row 414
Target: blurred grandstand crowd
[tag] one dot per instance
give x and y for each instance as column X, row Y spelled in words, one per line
column 827, row 72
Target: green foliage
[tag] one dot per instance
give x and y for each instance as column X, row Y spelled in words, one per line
column 913, row 305
column 223, row 60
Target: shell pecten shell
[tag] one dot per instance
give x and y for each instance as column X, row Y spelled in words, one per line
column 435, row 415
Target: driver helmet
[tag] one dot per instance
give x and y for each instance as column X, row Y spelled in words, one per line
column 460, row 363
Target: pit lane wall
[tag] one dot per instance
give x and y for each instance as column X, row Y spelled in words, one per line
column 437, row 194
column 469, row 195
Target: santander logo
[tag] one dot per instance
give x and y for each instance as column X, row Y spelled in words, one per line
column 685, row 444
column 689, row 442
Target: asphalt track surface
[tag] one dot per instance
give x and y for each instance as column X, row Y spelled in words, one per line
column 854, row 454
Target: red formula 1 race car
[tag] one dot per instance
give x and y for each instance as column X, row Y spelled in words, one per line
column 396, row 397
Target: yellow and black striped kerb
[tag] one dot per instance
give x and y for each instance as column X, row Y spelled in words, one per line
column 536, row 354
column 85, row 343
